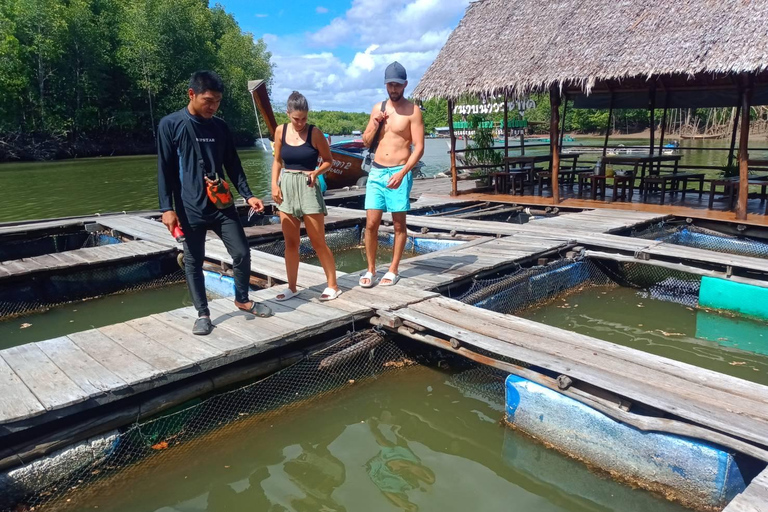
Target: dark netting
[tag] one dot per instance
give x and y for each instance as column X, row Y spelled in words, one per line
column 351, row 238
column 530, row 287
column 52, row 244
column 702, row 238
column 38, row 293
column 66, row 479
column 337, row 240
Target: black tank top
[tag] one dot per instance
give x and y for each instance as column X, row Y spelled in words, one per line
column 299, row 158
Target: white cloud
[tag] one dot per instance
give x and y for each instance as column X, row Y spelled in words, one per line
column 409, row 31
column 321, row 10
column 261, row 15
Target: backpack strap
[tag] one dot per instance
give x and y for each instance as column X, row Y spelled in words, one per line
column 201, row 163
column 375, row 142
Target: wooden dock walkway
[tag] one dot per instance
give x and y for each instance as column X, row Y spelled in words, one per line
column 59, row 377
column 89, row 256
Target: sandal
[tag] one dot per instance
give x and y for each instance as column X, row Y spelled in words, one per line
column 257, row 309
column 329, row 294
column 203, row 326
column 391, row 277
column 369, row 276
column 286, row 294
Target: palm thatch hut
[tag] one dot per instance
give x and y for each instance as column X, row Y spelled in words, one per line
column 610, row 54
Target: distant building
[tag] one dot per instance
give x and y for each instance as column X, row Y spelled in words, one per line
column 356, row 133
column 442, row 131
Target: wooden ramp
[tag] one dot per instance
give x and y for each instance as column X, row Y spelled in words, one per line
column 88, row 256
column 754, row 498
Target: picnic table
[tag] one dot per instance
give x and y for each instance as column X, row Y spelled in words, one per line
column 641, row 162
column 527, row 163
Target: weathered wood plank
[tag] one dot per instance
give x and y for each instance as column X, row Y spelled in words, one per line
column 163, row 358
column 48, row 383
column 705, row 406
column 192, row 347
column 90, row 375
column 123, row 363
column 183, row 320
column 17, row 402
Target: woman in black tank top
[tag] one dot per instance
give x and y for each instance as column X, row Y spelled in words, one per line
column 297, row 193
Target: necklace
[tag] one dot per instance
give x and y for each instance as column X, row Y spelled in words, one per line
column 296, row 138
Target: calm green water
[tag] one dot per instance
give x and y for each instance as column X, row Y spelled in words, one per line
column 35, row 190
column 731, row 345
column 414, row 440
column 89, row 314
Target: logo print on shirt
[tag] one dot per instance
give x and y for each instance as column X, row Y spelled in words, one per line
column 205, row 139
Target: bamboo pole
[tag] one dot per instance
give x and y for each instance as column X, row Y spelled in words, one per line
column 565, row 111
column 735, row 115
column 454, row 177
column 506, row 132
column 608, row 128
column 652, row 106
column 746, row 97
column 554, row 121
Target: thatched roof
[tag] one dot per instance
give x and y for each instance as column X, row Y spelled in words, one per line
column 522, row 46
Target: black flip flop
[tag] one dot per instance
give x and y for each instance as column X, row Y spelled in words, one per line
column 257, row 309
column 203, row 326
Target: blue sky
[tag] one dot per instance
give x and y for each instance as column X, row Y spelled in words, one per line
column 335, row 52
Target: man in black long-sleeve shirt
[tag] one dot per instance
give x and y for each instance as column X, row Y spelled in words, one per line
column 181, row 183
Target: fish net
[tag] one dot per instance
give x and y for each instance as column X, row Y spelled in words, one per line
column 702, row 238
column 533, row 286
column 65, row 480
column 38, row 293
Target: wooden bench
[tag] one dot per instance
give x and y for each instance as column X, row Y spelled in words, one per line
column 650, row 183
column 598, row 181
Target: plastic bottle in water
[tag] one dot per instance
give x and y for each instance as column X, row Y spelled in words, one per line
column 598, row 163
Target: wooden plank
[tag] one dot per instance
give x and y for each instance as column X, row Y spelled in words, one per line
column 673, row 394
column 48, row 383
column 183, row 319
column 17, row 402
column 161, row 357
column 756, row 393
column 90, row 375
column 124, row 364
column 192, row 347
column 225, row 315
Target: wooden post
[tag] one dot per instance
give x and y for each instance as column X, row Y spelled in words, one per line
column 735, row 129
column 746, row 97
column 652, row 106
column 506, row 133
column 554, row 121
column 522, row 144
column 608, row 128
column 454, row 177
column 565, row 111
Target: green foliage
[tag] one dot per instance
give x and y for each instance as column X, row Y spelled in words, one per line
column 484, row 140
column 110, row 68
column 729, row 171
column 332, row 122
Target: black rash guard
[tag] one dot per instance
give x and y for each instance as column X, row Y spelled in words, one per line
column 179, row 182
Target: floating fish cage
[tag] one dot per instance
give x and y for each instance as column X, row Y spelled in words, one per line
column 118, row 461
column 352, row 237
column 689, row 234
column 50, row 287
column 730, row 314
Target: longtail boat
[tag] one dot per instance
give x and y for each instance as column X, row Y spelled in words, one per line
column 347, row 169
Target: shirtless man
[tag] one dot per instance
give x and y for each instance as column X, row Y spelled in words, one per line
column 390, row 180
